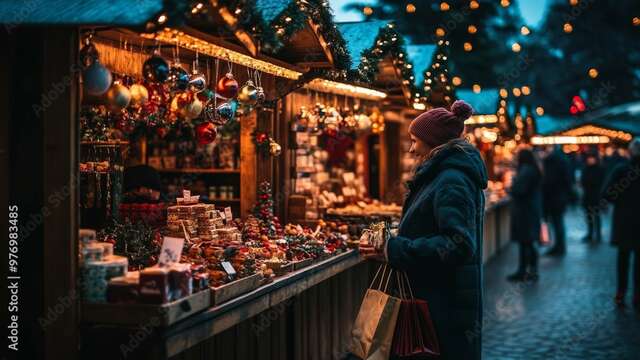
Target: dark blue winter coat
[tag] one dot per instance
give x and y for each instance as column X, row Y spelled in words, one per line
column 526, row 205
column 439, row 245
column 622, row 189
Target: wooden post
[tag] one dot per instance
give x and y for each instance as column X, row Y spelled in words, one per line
column 248, row 163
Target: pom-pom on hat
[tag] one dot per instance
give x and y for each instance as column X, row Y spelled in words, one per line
column 438, row 126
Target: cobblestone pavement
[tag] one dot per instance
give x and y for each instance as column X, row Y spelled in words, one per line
column 568, row 314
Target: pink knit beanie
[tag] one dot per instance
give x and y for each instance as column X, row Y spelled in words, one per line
column 438, row 126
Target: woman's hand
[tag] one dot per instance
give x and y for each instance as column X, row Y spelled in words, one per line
column 370, row 253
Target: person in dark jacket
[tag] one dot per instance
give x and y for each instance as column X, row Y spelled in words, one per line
column 526, row 212
column 622, row 189
column 557, row 187
column 439, row 241
column 592, row 178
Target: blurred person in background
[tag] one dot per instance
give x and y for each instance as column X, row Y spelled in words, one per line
column 557, row 190
column 622, row 189
column 526, row 214
column 591, row 180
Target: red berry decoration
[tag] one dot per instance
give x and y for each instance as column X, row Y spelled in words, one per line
column 206, row 133
column 227, row 86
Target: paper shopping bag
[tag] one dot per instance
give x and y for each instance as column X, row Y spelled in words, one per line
column 375, row 324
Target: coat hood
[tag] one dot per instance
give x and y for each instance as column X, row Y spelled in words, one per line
column 459, row 155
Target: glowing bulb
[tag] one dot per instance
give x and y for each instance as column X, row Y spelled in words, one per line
column 525, row 31
column 440, row 32
column 526, row 90
column 516, row 92
column 540, row 110
column 411, row 8
column 456, row 81
column 568, row 28
column 505, row 3
column 504, row 93
column 593, row 73
column 162, row 19
column 367, row 11
column 444, row 6
column 468, row 46
column 636, row 21
column 516, row 47
column 573, row 2
column 472, row 29
column 474, row 5
column 476, row 88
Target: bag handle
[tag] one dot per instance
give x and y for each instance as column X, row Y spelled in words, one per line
column 382, row 278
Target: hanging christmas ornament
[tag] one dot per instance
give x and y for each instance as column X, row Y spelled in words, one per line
column 197, row 82
column 227, row 111
column 139, row 95
column 193, row 109
column 96, row 79
column 227, row 86
column 260, row 94
column 187, row 105
column 88, row 54
column 118, row 96
column 206, row 133
column 178, row 78
column 205, row 96
column 155, row 68
column 274, row 148
column 248, row 94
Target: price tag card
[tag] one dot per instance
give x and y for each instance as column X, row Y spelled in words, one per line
column 186, row 194
column 222, row 215
column 171, row 250
column 228, row 268
column 228, row 214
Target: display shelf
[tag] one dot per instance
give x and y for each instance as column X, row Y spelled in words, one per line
column 199, row 171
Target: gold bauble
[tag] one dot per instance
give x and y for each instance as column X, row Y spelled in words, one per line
column 139, row 94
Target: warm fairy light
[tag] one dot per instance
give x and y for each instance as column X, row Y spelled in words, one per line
column 476, row 88
column 540, row 110
column 516, row 92
column 179, row 38
column 504, row 93
column 505, row 3
column 525, row 31
column 474, row 5
column 553, row 140
column 573, row 2
column 339, row 88
column 468, row 46
column 368, row 10
column 597, row 130
column 526, row 90
column 593, row 73
column 568, row 28
column 411, row 8
column 472, row 29
column 516, row 47
column 419, row 106
column 456, row 81
column 481, row 119
column 444, row 6
column 162, row 19
column 635, row 21
column 440, row 32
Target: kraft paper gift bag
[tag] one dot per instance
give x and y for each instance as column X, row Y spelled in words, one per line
column 375, row 324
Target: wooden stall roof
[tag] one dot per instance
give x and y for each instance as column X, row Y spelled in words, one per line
column 80, row 12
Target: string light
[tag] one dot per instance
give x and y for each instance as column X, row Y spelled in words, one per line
column 568, row 28
column 505, row 3
column 593, row 73
column 477, row 88
column 636, row 21
column 468, row 46
column 597, row 130
column 481, row 119
column 345, row 89
column 540, row 110
column 526, row 90
column 472, row 29
column 419, row 106
column 573, row 2
column 162, row 19
column 516, row 92
column 553, row 140
column 179, row 38
column 504, row 93
column 367, row 11
column 411, row 8
column 516, row 47
column 457, row 81
column 525, row 31
column 444, row 6
column 474, row 5
column 440, row 32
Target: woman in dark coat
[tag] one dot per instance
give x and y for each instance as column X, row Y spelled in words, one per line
column 622, row 189
column 526, row 211
column 593, row 175
column 439, row 242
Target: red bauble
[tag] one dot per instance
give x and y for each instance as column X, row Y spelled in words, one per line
column 206, row 133
column 261, row 138
column 162, row 131
column 227, row 86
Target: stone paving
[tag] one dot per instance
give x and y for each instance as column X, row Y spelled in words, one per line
column 568, row 314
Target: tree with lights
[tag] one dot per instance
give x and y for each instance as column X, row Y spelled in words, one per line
column 438, row 86
column 264, row 210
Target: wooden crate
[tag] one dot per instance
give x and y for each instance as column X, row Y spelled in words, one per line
column 235, row 288
column 148, row 314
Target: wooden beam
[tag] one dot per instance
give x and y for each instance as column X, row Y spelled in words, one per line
column 225, row 16
column 248, row 164
column 323, row 43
